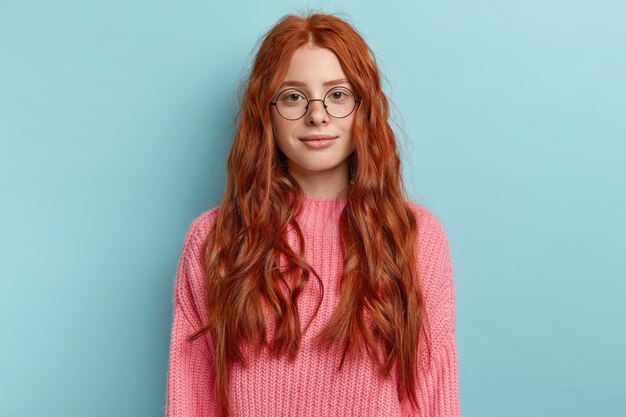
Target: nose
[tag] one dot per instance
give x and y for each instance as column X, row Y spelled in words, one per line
column 316, row 113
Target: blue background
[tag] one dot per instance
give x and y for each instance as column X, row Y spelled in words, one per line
column 115, row 122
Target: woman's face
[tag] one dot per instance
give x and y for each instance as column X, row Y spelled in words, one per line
column 315, row 71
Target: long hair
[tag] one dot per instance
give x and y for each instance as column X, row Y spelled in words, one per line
column 378, row 228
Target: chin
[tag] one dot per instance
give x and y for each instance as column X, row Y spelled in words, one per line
column 319, row 167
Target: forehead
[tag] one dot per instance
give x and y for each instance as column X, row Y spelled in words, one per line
column 312, row 66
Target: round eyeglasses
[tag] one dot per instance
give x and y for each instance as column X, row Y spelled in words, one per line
column 292, row 104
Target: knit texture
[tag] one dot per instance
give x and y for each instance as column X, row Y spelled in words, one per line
column 311, row 385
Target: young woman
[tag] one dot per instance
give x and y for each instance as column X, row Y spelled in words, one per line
column 315, row 288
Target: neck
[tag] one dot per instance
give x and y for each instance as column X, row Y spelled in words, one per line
column 328, row 185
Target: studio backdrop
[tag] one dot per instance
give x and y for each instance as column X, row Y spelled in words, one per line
column 115, row 122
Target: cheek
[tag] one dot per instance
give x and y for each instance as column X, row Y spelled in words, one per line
column 278, row 128
column 348, row 126
column 349, row 129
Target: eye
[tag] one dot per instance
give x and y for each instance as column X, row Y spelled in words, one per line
column 291, row 96
column 339, row 94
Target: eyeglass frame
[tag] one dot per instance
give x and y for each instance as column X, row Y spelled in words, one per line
column 306, row 108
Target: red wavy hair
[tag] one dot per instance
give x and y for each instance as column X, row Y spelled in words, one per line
column 261, row 199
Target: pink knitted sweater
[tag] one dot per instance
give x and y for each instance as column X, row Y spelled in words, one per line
column 311, row 386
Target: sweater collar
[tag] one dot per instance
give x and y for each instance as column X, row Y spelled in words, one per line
column 320, row 216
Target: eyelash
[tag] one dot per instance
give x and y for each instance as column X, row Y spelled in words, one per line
column 330, row 91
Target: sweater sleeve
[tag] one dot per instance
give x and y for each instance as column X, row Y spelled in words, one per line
column 437, row 383
column 190, row 378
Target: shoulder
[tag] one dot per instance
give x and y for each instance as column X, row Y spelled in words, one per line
column 433, row 250
column 190, row 276
column 436, row 275
column 201, row 225
column 429, row 226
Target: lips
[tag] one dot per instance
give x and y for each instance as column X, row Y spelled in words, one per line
column 318, row 141
column 317, row 137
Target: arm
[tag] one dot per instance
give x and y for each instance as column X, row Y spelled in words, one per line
column 190, row 378
column 437, row 384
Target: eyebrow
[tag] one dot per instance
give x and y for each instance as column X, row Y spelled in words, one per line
column 326, row 84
